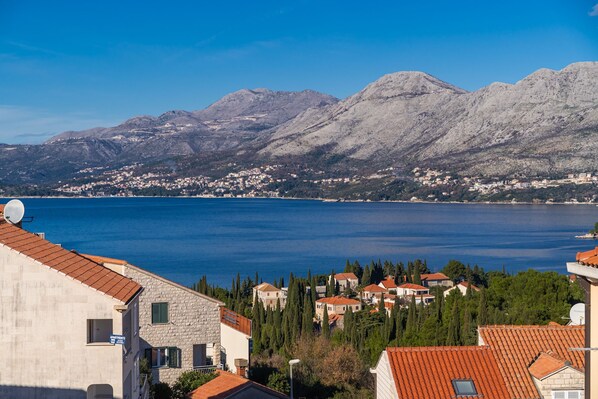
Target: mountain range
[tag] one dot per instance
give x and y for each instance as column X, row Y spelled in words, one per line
column 545, row 124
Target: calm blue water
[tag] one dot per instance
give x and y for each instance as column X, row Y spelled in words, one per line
column 184, row 238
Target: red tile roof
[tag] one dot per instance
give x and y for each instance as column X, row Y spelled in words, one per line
column 345, row 276
column 235, row 320
column 338, row 300
column 466, row 284
column 588, row 258
column 68, row 263
column 547, row 364
column 266, row 287
column 409, row 286
column 373, row 288
column 388, row 283
column 226, row 384
column 434, row 276
column 427, row 372
column 516, row 347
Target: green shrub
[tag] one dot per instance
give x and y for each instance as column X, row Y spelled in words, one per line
column 189, row 381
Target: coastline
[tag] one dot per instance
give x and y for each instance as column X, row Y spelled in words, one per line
column 326, row 200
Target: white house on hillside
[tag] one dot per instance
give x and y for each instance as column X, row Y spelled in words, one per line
column 462, row 288
column 269, row 295
column 345, row 280
column 58, row 313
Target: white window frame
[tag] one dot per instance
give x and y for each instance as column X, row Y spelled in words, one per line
column 567, row 393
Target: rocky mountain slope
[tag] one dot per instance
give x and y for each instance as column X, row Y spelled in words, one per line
column 545, row 123
column 235, row 121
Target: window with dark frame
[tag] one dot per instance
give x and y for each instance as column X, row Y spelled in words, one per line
column 160, row 313
column 164, row 357
column 464, row 388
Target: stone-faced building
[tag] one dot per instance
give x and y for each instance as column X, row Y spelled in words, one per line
column 179, row 327
column 57, row 313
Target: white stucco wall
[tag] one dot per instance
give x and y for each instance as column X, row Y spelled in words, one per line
column 385, row 385
column 43, row 333
column 235, row 345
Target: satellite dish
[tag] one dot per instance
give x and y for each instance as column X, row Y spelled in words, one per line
column 14, row 211
column 577, row 314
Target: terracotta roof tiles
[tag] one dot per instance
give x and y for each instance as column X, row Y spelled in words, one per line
column 417, row 287
column 373, row 288
column 388, row 283
column 547, row 364
column 588, row 258
column 338, row 300
column 345, row 276
column 516, row 347
column 434, row 276
column 227, row 384
column 68, row 263
column 428, row 372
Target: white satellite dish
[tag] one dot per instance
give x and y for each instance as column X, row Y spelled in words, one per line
column 577, row 314
column 14, row 211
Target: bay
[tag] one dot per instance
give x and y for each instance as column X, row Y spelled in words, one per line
column 185, row 238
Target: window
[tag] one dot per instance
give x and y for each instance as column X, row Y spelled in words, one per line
column 99, row 330
column 464, row 388
column 566, row 394
column 164, row 357
column 160, row 313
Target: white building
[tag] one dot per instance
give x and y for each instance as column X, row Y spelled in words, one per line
column 269, row 295
column 462, row 288
column 345, row 280
column 235, row 333
column 58, row 313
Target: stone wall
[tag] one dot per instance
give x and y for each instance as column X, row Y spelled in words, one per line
column 568, row 379
column 193, row 319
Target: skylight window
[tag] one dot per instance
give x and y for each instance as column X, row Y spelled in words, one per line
column 464, row 388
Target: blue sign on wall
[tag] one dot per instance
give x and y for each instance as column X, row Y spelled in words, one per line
column 117, row 339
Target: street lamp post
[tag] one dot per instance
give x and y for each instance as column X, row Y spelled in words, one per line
column 291, row 363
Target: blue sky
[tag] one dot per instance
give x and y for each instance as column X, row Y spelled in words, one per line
column 78, row 64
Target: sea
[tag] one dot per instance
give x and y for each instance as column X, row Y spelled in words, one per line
column 183, row 239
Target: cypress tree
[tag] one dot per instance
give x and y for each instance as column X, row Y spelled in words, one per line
column 381, row 308
column 482, row 309
column 307, row 324
column 454, row 336
column 416, row 275
column 367, row 276
column 467, row 336
column 325, row 324
column 331, row 286
column 348, row 325
column 410, row 328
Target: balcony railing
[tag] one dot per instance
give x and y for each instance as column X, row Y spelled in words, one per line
column 207, row 369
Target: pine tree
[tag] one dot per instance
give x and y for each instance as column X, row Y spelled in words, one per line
column 325, row 324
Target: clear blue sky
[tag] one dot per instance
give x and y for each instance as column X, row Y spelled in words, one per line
column 79, row 64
